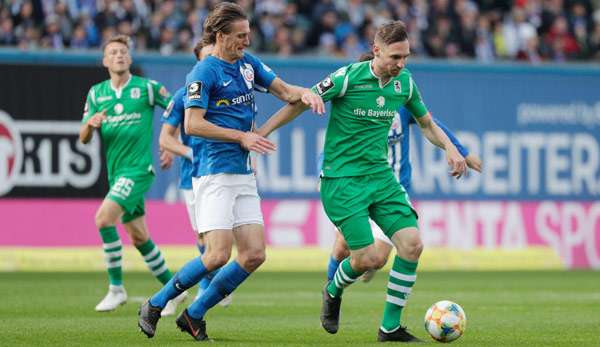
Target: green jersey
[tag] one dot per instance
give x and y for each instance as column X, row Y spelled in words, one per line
column 362, row 111
column 127, row 131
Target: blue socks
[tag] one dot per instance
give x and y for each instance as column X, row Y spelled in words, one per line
column 225, row 281
column 332, row 268
column 189, row 275
column 205, row 281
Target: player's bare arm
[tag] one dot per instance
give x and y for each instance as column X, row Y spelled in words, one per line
column 285, row 115
column 196, row 125
column 292, row 94
column 169, row 141
column 87, row 130
column 474, row 162
column 437, row 136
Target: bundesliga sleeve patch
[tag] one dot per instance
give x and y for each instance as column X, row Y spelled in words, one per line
column 324, row 86
column 194, row 90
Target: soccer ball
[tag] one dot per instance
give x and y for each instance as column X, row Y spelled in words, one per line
column 445, row 321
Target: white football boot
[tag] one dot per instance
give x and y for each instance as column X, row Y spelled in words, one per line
column 115, row 297
column 171, row 307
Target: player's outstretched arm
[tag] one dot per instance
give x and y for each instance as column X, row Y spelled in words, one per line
column 285, row 115
column 473, row 161
column 196, row 125
column 292, row 94
column 168, row 140
column 87, row 129
column 436, row 136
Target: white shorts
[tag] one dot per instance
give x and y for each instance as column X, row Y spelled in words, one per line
column 227, row 201
column 190, row 205
column 378, row 233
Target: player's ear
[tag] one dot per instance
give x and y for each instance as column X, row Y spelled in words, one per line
column 376, row 50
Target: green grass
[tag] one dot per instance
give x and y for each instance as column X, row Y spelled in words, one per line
column 279, row 308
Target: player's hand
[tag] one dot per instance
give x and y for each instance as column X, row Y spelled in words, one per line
column 474, row 162
column 256, row 143
column 457, row 163
column 97, row 119
column 166, row 160
column 314, row 101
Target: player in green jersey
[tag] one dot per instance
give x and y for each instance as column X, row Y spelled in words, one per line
column 122, row 109
column 357, row 181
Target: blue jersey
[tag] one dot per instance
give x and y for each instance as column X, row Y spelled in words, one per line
column 398, row 146
column 398, row 142
column 226, row 92
column 174, row 116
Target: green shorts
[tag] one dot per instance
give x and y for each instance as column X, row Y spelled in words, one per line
column 350, row 201
column 128, row 189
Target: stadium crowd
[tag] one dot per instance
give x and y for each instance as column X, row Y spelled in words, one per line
column 486, row 30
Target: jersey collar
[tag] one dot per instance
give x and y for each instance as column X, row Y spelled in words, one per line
column 119, row 91
column 377, row 77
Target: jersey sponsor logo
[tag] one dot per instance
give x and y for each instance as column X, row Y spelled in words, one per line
column 380, row 101
column 222, row 102
column 363, row 86
column 324, row 85
column 194, row 90
column 397, row 87
column 104, row 98
column 118, row 108
column 361, row 112
column 46, row 154
column 135, row 93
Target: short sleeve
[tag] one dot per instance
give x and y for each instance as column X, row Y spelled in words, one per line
column 162, row 97
column 414, row 103
column 198, row 85
column 333, row 85
column 263, row 75
column 173, row 114
column 89, row 109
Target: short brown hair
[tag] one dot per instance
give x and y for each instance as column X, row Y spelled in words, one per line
column 198, row 49
column 124, row 39
column 220, row 19
column 391, row 32
column 366, row 56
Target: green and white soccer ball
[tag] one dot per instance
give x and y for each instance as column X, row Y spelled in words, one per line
column 445, row 321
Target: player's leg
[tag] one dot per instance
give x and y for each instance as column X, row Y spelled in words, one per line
column 140, row 237
column 398, row 220
column 384, row 246
column 106, row 218
column 346, row 201
column 190, row 204
column 338, row 253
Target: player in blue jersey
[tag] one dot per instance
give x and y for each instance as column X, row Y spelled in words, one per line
column 398, row 157
column 170, row 144
column 220, row 111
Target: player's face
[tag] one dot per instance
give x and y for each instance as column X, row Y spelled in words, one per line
column 392, row 58
column 238, row 39
column 116, row 58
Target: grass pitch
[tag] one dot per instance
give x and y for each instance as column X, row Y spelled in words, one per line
column 543, row 308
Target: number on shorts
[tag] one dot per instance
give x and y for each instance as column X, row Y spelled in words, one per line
column 123, row 187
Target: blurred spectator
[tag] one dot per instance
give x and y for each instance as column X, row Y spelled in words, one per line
column 486, row 30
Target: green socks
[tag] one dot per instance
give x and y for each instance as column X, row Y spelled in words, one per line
column 113, row 253
column 155, row 261
column 344, row 276
column 402, row 278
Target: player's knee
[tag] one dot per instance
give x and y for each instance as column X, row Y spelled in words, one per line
column 102, row 221
column 414, row 249
column 252, row 259
column 380, row 261
column 138, row 239
column 363, row 263
column 216, row 258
